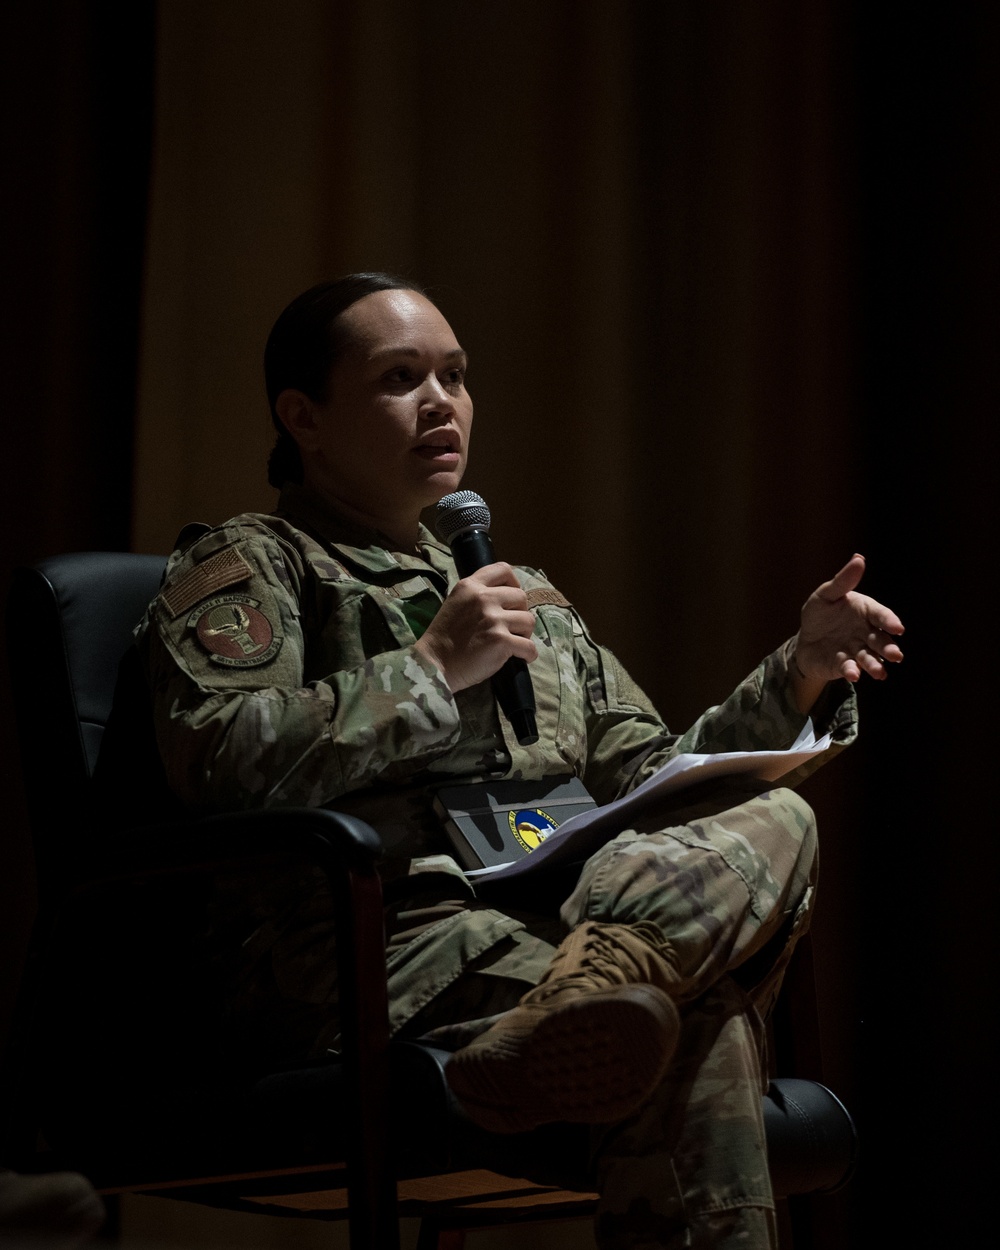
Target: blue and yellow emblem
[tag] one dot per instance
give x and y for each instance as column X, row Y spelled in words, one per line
column 531, row 826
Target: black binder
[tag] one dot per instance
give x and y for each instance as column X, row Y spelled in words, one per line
column 498, row 822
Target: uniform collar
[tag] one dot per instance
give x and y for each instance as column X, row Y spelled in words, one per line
column 359, row 545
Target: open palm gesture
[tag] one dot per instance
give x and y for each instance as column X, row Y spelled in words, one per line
column 845, row 634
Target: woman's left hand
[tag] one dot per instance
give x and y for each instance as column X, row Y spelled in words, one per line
column 842, row 634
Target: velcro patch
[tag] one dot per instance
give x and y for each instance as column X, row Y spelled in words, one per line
column 553, row 597
column 225, row 568
column 234, row 631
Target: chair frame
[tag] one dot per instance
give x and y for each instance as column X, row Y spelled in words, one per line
column 347, row 851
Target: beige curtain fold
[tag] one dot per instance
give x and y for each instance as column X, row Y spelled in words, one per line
column 629, row 213
column 633, row 215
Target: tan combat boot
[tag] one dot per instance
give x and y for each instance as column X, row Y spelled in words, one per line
column 588, row 1044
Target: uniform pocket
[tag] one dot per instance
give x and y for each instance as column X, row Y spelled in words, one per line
column 558, row 690
column 406, row 608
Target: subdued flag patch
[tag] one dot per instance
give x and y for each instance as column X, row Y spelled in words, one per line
column 225, row 568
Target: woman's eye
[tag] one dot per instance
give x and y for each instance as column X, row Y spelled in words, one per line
column 398, row 376
column 454, row 378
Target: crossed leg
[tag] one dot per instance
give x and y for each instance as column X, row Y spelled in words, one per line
column 707, row 893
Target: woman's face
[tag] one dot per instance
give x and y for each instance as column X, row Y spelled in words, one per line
column 392, row 435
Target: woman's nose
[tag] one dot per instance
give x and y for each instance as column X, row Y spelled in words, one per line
column 434, row 398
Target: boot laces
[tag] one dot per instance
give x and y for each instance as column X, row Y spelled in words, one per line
column 601, row 960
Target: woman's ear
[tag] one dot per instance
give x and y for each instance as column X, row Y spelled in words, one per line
column 297, row 413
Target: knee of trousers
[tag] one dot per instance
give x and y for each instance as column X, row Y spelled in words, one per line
column 805, row 819
column 759, row 854
column 784, row 830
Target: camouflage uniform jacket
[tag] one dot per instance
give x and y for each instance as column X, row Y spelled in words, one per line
column 281, row 662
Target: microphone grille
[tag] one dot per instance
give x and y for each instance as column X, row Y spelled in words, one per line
column 460, row 510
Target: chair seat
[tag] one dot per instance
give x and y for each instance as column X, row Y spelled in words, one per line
column 294, row 1119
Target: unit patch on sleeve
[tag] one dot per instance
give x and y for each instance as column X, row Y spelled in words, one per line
column 234, row 631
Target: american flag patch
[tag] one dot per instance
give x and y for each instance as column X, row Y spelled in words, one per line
column 225, row 568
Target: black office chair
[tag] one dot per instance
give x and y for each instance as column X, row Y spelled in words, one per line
column 114, row 1068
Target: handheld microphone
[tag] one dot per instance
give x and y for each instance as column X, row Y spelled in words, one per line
column 463, row 521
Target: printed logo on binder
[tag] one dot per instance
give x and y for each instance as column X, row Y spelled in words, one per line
column 531, row 826
column 497, row 822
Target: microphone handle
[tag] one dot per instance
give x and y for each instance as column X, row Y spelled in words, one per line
column 473, row 549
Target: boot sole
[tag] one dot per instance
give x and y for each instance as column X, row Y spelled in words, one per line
column 593, row 1060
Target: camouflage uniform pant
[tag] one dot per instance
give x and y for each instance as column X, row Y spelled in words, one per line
column 729, row 890
column 726, row 879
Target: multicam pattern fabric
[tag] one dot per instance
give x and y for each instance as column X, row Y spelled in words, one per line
column 333, row 706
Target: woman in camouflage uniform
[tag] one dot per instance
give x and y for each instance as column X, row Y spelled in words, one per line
column 328, row 654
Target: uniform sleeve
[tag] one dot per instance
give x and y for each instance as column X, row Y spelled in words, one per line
column 760, row 715
column 628, row 741
column 236, row 723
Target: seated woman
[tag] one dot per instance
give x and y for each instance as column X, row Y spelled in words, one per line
column 328, row 654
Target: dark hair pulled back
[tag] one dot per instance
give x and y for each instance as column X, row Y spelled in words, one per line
column 302, row 348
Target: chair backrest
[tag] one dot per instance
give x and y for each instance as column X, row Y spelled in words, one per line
column 69, row 623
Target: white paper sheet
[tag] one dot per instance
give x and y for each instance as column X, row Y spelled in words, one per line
column 582, row 835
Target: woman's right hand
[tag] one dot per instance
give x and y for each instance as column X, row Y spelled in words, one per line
column 483, row 622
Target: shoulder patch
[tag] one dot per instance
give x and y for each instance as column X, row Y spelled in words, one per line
column 547, row 595
column 234, row 631
column 225, row 568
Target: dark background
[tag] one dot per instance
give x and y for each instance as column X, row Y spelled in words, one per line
column 810, row 291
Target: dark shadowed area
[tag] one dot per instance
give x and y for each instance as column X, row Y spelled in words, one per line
column 727, row 276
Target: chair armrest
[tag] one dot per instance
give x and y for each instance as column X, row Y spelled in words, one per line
column 812, row 1141
column 344, row 848
column 334, row 841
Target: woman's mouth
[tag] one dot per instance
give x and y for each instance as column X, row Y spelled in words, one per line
column 443, row 448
